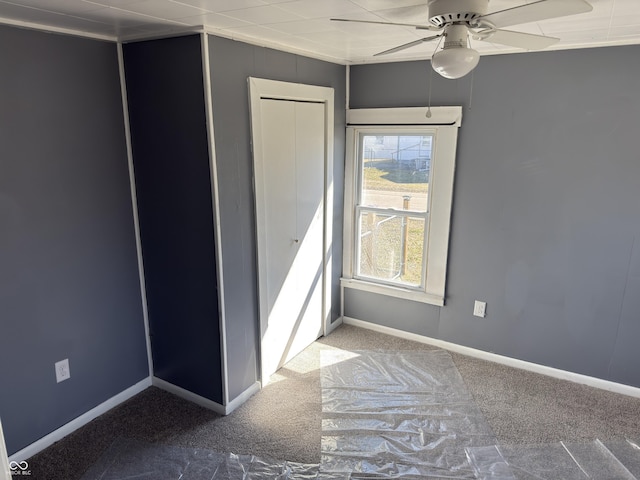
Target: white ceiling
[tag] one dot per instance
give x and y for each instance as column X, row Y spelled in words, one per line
column 303, row 26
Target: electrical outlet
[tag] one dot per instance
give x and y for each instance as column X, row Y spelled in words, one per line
column 479, row 308
column 62, row 370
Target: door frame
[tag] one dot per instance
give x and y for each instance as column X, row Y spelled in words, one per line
column 260, row 88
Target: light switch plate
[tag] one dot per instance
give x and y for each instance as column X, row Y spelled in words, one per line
column 479, row 308
column 62, row 370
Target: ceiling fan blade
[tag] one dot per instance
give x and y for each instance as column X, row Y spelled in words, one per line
column 526, row 41
column 535, row 12
column 420, row 27
column 408, row 45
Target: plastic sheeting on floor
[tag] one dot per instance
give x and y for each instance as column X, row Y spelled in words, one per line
column 128, row 459
column 405, row 414
column 615, row 460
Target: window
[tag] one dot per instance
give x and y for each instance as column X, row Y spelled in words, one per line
column 398, row 189
column 392, row 207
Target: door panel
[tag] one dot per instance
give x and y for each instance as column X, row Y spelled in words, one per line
column 293, row 155
column 278, row 180
column 310, row 164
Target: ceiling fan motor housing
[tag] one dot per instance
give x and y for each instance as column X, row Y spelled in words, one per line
column 446, row 12
column 455, row 36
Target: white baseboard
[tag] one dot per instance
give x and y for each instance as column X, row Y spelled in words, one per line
column 243, row 397
column 81, row 421
column 205, row 402
column 332, row 326
column 501, row 359
column 187, row 395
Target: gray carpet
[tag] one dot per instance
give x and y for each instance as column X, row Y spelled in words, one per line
column 283, row 421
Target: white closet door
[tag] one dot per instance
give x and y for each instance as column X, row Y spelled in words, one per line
column 293, row 171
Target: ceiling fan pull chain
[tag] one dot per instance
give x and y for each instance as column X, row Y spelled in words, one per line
column 430, row 82
column 471, row 87
column 471, row 91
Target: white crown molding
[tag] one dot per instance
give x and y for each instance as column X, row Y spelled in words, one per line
column 51, row 29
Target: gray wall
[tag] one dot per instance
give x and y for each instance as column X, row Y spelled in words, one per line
column 69, row 285
column 165, row 88
column 546, row 213
column 231, row 64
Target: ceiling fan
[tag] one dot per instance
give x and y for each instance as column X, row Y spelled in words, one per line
column 457, row 20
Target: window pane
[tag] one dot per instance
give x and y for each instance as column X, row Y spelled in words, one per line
column 395, row 172
column 391, row 248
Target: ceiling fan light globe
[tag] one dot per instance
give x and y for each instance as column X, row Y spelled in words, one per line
column 455, row 62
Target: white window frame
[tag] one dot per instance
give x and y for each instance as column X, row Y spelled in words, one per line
column 393, row 131
column 443, row 124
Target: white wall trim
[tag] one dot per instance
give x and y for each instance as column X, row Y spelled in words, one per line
column 243, row 397
column 205, row 402
column 5, row 473
column 264, row 43
column 347, row 74
column 448, row 116
column 501, row 359
column 187, row 395
column 161, row 35
column 217, row 228
column 393, row 291
column 134, row 205
column 52, row 29
column 221, row 33
column 349, row 202
column 79, row 422
column 188, row 30
column 332, row 326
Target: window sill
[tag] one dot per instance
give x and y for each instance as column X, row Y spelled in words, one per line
column 390, row 291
